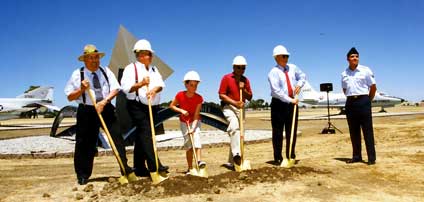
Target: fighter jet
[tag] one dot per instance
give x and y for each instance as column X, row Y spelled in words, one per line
column 312, row 98
column 40, row 97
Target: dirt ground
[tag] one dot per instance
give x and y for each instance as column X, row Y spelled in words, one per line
column 320, row 174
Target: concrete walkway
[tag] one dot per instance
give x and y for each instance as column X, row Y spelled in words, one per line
column 50, row 147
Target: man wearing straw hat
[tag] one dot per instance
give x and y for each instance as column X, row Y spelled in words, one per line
column 285, row 81
column 103, row 82
column 140, row 81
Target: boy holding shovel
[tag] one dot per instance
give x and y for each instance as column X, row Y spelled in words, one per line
column 188, row 103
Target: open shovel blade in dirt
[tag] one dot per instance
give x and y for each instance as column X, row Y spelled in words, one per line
column 245, row 165
column 132, row 177
column 288, row 163
column 200, row 172
column 158, row 177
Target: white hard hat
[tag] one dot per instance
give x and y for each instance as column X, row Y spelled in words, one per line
column 280, row 50
column 191, row 76
column 239, row 60
column 142, row 44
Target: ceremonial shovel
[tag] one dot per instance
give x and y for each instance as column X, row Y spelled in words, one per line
column 245, row 164
column 201, row 172
column 127, row 176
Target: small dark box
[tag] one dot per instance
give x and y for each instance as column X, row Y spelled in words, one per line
column 326, row 87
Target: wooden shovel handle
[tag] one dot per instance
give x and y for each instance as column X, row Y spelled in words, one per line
column 109, row 137
column 152, row 128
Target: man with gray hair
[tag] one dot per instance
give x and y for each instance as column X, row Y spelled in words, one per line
column 105, row 85
column 285, row 81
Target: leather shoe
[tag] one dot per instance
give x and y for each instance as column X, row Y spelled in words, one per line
column 371, row 163
column 163, row 168
column 237, row 159
column 143, row 173
column 82, row 181
column 353, row 161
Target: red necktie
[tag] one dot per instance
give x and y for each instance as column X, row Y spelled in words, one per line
column 289, row 87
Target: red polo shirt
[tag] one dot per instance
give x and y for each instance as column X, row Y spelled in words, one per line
column 189, row 104
column 230, row 87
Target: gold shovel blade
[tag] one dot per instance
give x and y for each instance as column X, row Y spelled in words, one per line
column 288, row 163
column 245, row 165
column 157, row 177
column 132, row 177
column 200, row 173
column 203, row 172
column 123, row 180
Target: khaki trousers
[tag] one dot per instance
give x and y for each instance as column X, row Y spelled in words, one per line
column 232, row 115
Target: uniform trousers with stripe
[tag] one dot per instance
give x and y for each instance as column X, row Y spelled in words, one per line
column 143, row 147
column 281, row 119
column 358, row 114
column 88, row 125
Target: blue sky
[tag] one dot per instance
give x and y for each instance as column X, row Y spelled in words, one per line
column 41, row 40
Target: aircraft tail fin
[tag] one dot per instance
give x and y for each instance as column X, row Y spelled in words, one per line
column 44, row 93
column 308, row 92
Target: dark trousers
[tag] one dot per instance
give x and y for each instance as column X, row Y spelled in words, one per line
column 281, row 118
column 143, row 148
column 88, row 125
column 358, row 114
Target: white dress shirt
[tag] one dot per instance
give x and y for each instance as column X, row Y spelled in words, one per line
column 358, row 81
column 74, row 83
column 278, row 83
column 128, row 80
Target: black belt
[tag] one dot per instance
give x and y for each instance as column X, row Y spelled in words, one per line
column 354, row 97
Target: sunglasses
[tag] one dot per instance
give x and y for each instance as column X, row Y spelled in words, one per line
column 143, row 53
column 283, row 56
column 240, row 67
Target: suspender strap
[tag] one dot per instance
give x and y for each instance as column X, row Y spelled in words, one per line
column 105, row 75
column 136, row 78
column 82, row 79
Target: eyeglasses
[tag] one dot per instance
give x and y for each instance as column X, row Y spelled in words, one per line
column 92, row 57
column 241, row 67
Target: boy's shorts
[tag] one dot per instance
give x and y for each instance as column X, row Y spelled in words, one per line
column 196, row 135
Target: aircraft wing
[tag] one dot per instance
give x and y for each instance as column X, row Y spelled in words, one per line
column 38, row 105
column 17, row 110
column 52, row 107
column 324, row 105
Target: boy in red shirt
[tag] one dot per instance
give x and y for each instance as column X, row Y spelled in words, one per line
column 189, row 103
